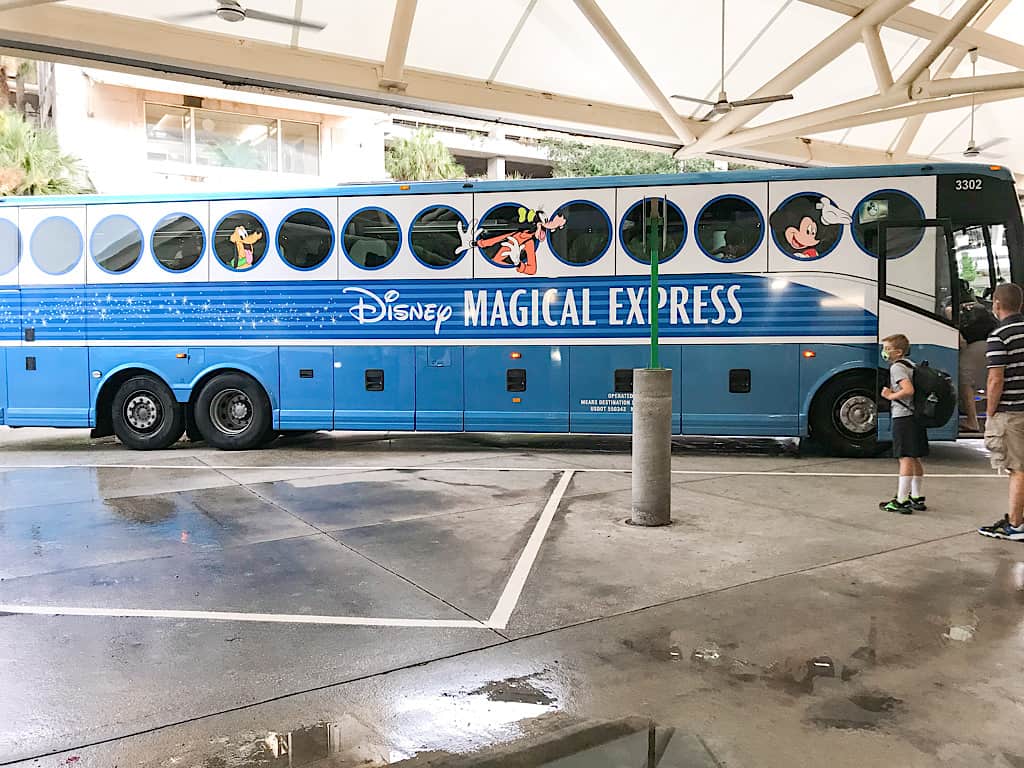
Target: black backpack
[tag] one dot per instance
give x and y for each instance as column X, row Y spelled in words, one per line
column 976, row 323
column 934, row 394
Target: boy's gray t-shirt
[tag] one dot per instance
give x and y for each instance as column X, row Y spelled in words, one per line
column 898, row 373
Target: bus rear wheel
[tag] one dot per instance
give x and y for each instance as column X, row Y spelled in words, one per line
column 232, row 413
column 844, row 417
column 145, row 414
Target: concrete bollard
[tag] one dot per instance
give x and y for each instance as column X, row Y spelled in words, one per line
column 652, row 446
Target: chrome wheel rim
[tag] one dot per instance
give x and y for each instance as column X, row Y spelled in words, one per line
column 857, row 414
column 142, row 411
column 231, row 411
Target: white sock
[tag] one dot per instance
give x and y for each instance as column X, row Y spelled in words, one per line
column 904, row 488
column 915, row 486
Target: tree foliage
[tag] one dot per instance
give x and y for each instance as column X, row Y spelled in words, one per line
column 421, row 157
column 574, row 158
column 968, row 269
column 31, row 162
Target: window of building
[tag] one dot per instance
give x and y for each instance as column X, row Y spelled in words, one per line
column 10, row 246
column 56, row 245
column 371, row 238
column 434, row 236
column 240, row 240
column 636, row 240
column 178, row 242
column 116, row 244
column 305, row 239
column 888, row 205
column 729, row 228
column 580, row 233
column 230, row 140
column 169, row 133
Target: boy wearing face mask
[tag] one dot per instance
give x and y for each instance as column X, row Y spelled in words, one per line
column 909, row 437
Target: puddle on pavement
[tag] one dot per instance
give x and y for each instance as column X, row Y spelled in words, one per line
column 349, row 742
column 499, row 711
column 517, row 690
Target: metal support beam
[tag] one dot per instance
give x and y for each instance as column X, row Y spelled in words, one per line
column 946, row 69
column 800, row 70
column 876, row 55
column 914, row 109
column 398, row 45
column 632, row 64
column 914, row 21
column 951, row 86
column 941, row 41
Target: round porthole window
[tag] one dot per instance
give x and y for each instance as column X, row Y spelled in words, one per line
column 240, row 240
column 371, row 238
column 891, row 205
column 116, row 244
column 635, row 240
column 729, row 228
column 178, row 242
column 807, row 226
column 56, row 245
column 436, row 236
column 10, row 246
column 305, row 239
column 579, row 232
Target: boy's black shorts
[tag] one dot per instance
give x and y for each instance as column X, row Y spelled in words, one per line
column 909, row 438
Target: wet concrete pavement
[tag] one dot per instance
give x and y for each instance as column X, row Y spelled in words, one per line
column 781, row 621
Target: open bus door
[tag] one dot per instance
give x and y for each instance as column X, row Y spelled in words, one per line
column 918, row 297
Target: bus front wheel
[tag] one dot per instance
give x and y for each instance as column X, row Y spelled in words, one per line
column 145, row 414
column 844, row 416
column 232, row 413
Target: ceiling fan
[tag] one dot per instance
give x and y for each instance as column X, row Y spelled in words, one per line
column 723, row 105
column 973, row 149
column 234, row 11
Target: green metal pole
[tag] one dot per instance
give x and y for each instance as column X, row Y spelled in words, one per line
column 654, row 234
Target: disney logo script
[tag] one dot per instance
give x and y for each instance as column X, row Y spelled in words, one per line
column 371, row 308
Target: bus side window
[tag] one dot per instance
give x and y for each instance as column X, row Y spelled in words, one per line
column 976, row 265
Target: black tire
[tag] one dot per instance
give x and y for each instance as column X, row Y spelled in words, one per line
column 844, row 416
column 145, row 414
column 232, row 413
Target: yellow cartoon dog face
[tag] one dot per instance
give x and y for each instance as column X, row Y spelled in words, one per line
column 243, row 247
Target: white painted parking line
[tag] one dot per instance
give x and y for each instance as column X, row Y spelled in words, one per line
column 471, row 468
column 514, row 587
column 274, row 618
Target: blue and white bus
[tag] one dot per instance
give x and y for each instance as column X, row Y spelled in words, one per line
column 493, row 306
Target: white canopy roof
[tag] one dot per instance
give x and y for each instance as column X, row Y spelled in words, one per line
column 603, row 67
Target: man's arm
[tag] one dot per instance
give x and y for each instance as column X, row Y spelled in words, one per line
column 994, row 388
column 996, row 357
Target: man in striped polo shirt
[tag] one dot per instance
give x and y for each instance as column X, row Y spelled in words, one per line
column 1004, row 427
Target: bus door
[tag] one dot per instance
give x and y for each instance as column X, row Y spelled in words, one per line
column 918, row 297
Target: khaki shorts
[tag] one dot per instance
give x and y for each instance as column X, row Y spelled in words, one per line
column 1004, row 439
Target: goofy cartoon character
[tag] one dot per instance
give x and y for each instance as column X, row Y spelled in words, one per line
column 519, row 248
column 243, row 247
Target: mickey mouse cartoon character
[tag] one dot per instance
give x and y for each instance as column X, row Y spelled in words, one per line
column 519, row 248
column 243, row 247
column 807, row 226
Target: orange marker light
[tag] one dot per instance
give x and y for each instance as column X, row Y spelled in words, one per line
column 995, row 167
column 181, row 355
column 517, row 399
column 810, row 353
column 404, row 187
column 515, row 355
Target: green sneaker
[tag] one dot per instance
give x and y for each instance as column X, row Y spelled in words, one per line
column 917, row 504
column 895, row 505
